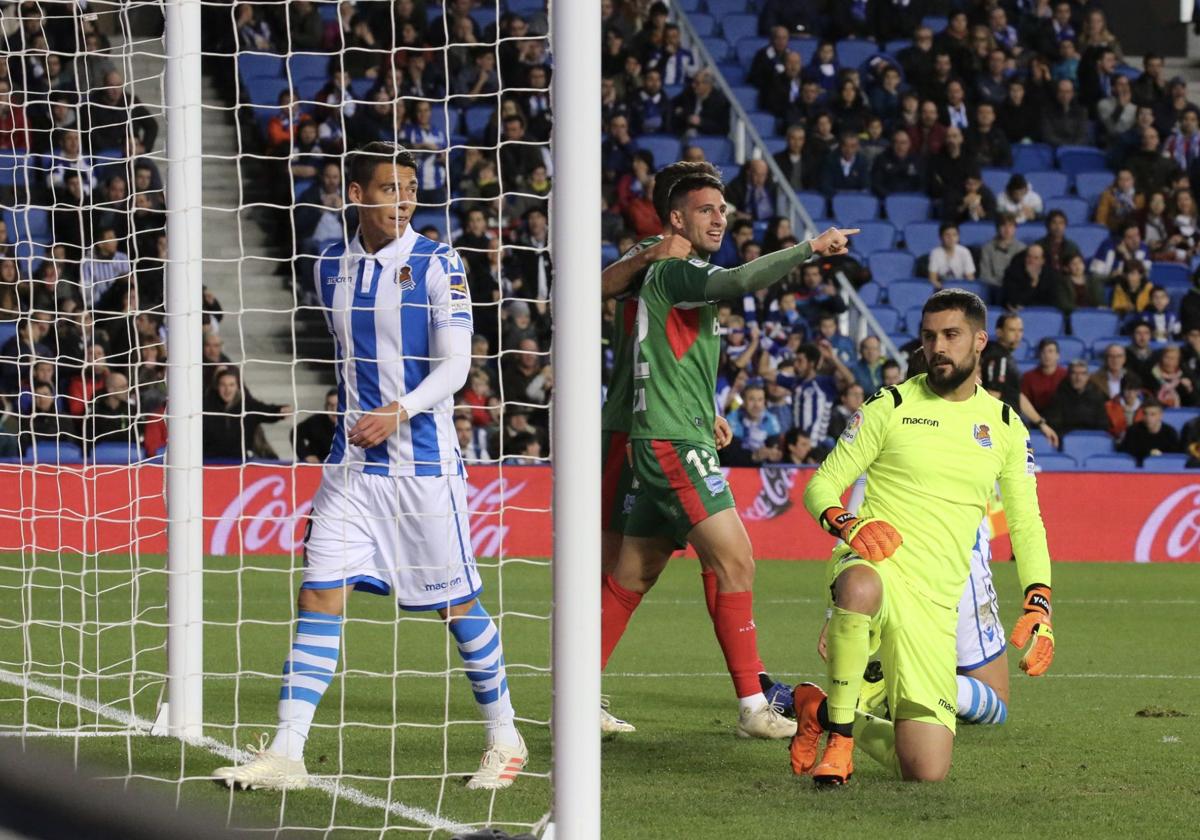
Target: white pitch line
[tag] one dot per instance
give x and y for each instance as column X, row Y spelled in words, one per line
column 333, row 787
column 74, row 733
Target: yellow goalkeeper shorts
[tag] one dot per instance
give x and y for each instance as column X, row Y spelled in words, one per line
column 914, row 640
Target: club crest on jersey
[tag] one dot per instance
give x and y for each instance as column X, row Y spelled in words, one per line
column 404, row 278
column 715, row 484
column 852, row 426
column 983, row 435
column 1030, row 463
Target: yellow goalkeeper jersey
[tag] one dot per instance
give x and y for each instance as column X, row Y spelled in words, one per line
column 932, row 466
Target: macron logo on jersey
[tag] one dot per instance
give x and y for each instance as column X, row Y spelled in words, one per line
column 920, row 421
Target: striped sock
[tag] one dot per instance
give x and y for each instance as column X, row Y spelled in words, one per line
column 306, row 674
column 979, row 703
column 479, row 645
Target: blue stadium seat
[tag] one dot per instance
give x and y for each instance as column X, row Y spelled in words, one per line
column 721, row 9
column 1041, row 321
column 1089, row 238
column 1075, row 159
column 664, row 147
column 9, row 328
column 1030, row 232
column 899, row 339
column 976, row 233
column 424, row 218
column 853, row 52
column 855, row 207
column 888, row 318
column 608, row 253
column 264, row 90
column 718, row 48
column 912, row 317
column 872, row 236
column 935, row 22
column 1081, row 445
column 116, row 453
column 1168, row 462
column 995, row 179
column 896, row 44
column 813, row 203
column 921, row 237
column 688, row 6
column 1169, row 274
column 475, row 120
column 704, row 25
column 806, row 47
column 1180, row 417
column 525, row 8
column 1031, row 157
column 300, row 185
column 716, row 149
column 259, row 65
column 1048, row 183
column 1069, row 348
column 1075, row 208
column 328, row 12
column 871, row 294
column 12, row 168
column 733, row 72
column 737, row 27
column 746, row 48
column 308, row 66
column 1056, row 462
column 1089, row 185
column 903, row 295
column 764, row 123
column 1041, row 445
column 745, row 93
column 484, row 16
column 889, row 266
column 1100, row 344
column 54, row 452
column 1114, row 462
column 902, row 208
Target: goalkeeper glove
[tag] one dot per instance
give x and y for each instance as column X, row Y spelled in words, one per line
column 872, row 539
column 1035, row 624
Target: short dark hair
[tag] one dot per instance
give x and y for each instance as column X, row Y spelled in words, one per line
column 1004, row 318
column 889, row 363
column 687, row 184
column 945, row 226
column 364, row 159
column 810, row 352
column 1151, row 401
column 968, row 303
column 1047, row 342
column 1005, row 219
column 1016, row 182
column 332, row 392
column 1055, row 214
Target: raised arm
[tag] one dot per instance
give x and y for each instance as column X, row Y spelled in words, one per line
column 618, row 277
column 725, row 283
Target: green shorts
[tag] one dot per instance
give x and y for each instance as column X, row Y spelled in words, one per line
column 616, row 485
column 915, row 641
column 679, row 485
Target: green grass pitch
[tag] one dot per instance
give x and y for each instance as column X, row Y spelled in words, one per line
column 1104, row 746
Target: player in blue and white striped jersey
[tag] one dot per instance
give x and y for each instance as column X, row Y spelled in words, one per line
column 390, row 516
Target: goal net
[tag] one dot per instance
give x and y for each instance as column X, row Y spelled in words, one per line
column 287, row 89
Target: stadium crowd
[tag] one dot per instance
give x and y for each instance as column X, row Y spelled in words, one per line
column 1005, row 146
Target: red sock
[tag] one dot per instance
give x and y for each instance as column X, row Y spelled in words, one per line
column 734, row 624
column 709, row 578
column 616, row 606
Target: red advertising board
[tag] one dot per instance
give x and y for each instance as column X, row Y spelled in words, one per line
column 261, row 509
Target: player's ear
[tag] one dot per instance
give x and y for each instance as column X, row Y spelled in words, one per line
column 981, row 340
column 355, row 192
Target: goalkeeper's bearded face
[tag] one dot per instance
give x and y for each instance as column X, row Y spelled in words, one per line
column 386, row 202
column 701, row 219
column 952, row 347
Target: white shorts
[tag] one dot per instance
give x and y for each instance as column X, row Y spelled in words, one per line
column 980, row 634
column 401, row 535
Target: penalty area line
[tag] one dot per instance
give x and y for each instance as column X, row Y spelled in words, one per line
column 331, row 787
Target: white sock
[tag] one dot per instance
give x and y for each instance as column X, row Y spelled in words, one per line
column 483, row 654
column 752, row 702
column 307, row 672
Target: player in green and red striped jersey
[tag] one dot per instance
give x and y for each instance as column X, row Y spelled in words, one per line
column 682, row 496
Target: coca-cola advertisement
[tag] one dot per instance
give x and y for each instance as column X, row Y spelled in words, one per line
column 263, row 508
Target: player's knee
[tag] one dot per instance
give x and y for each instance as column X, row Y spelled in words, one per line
column 925, row 771
column 325, row 601
column 859, row 589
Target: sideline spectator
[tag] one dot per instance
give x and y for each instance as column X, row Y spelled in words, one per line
column 1125, row 408
column 998, row 253
column 1113, row 371
column 314, row 437
column 1077, row 403
column 1150, row 436
column 232, row 420
column 868, row 370
column 950, row 260
column 755, row 430
column 1019, row 200
column 1040, row 384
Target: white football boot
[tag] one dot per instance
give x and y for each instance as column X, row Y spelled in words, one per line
column 500, row 766
column 265, row 769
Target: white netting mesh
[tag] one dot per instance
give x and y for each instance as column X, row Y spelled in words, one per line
column 288, row 88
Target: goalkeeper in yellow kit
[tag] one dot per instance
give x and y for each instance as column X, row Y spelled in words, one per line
column 932, row 448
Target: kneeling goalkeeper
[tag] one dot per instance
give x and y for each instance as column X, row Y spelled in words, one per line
column 932, row 449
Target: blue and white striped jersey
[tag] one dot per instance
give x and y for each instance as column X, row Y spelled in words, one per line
column 384, row 311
